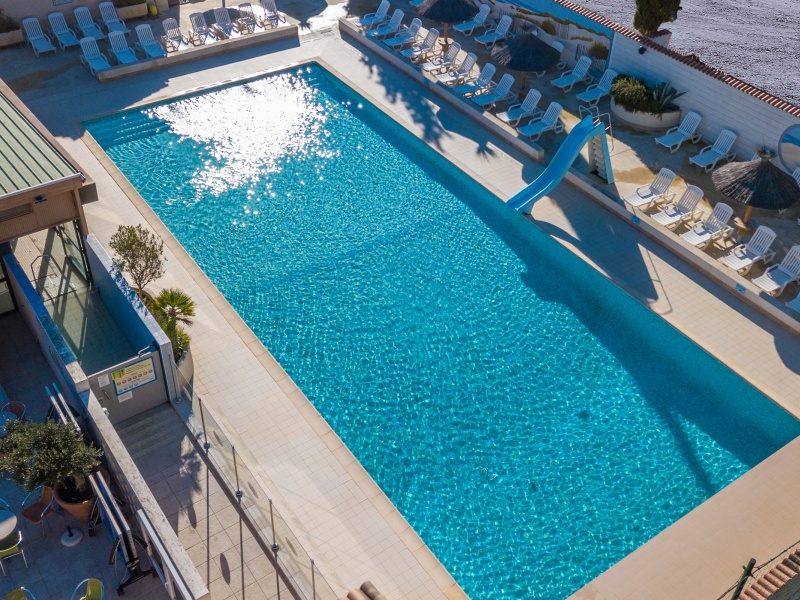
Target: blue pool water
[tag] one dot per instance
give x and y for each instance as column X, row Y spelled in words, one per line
column 532, row 422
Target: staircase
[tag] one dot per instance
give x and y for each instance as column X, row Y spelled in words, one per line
column 775, row 580
column 597, row 157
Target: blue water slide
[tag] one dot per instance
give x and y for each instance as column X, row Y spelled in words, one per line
column 569, row 150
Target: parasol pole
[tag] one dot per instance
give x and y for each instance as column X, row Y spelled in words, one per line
column 445, row 45
column 747, row 214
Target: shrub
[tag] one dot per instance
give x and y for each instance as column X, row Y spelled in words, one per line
column 651, row 14
column 634, row 95
column 7, row 24
column 141, row 253
column 598, row 50
column 173, row 308
column 548, row 27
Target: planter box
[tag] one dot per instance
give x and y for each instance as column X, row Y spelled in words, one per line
column 11, row 38
column 137, row 11
column 646, row 121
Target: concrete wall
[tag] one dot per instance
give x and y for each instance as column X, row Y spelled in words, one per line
column 57, row 209
column 20, row 9
column 722, row 106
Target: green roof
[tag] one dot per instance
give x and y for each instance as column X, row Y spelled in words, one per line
column 27, row 160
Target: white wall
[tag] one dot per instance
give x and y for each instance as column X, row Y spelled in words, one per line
column 722, row 106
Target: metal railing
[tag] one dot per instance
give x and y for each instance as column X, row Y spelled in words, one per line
column 751, row 574
column 289, row 555
column 161, row 560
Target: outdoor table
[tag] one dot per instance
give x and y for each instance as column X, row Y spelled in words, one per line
column 8, row 523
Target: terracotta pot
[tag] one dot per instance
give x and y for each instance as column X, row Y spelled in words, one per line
column 79, row 510
column 646, row 121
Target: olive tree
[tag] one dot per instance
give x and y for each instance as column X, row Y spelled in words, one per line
column 141, row 254
column 651, row 14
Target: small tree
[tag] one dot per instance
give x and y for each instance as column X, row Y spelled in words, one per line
column 141, row 253
column 651, row 14
column 173, row 308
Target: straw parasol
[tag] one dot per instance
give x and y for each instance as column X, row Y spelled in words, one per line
column 757, row 184
column 526, row 52
column 446, row 12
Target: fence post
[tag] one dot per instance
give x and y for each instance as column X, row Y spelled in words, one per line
column 275, row 549
column 313, row 582
column 748, row 570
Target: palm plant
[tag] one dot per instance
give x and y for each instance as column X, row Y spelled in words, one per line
column 665, row 96
column 173, row 308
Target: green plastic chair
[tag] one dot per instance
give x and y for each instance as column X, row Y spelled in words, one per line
column 11, row 546
column 95, row 590
column 19, row 594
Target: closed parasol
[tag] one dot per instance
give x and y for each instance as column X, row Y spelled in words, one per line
column 527, row 53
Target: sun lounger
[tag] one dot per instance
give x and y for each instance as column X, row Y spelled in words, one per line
column 110, row 19
column 757, row 248
column 479, row 84
column 408, row 35
column 528, row 108
column 271, row 14
column 796, row 175
column 424, row 48
column 390, row 28
column 479, row 22
column 199, row 32
column 777, row 277
column 39, row 41
column 580, row 73
column 657, row 191
column 92, row 57
column 247, row 18
column 721, row 150
column 549, row 121
column 714, row 227
column 64, row 34
column 794, row 304
column 224, row 24
column 147, row 42
column 687, row 130
column 376, row 18
column 492, row 36
column 462, row 73
column 685, row 209
column 444, row 62
column 173, row 38
column 120, row 49
column 87, row 25
column 501, row 92
column 596, row 92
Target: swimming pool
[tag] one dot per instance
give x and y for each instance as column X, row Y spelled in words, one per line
column 532, row 422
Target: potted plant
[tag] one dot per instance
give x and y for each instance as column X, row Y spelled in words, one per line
column 131, row 9
column 643, row 107
column 51, row 454
column 173, row 308
column 10, row 33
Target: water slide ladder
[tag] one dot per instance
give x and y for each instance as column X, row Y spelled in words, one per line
column 592, row 130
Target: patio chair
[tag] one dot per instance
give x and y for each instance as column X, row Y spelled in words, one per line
column 92, row 57
column 38, row 511
column 687, row 130
column 777, row 277
column 272, row 15
column 87, row 24
column 501, row 92
column 224, row 23
column 11, row 546
column 39, row 41
column 408, row 36
column 479, row 84
column 199, row 32
column 528, row 108
column 498, row 34
column 147, row 42
column 653, row 193
column 65, row 35
column 374, row 19
column 478, row 22
column 110, row 19
column 173, row 38
column 463, row 72
column 20, row 593
column 424, row 48
column 95, row 590
column 714, row 227
column 685, row 209
column 390, row 28
column 721, row 150
column 16, row 408
column 549, row 121
column 744, row 256
column 596, row 92
column 120, row 49
column 579, row 73
column 445, row 62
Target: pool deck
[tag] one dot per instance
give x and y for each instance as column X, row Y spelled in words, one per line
column 349, row 526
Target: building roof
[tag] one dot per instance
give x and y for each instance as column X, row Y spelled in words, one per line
column 687, row 59
column 27, row 159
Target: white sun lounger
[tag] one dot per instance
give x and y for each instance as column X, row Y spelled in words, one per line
column 110, row 18
column 87, row 25
column 549, row 121
column 424, row 48
column 172, row 34
column 247, row 18
column 657, row 191
column 501, row 92
column 498, row 34
column 224, row 23
column 714, row 227
column 390, row 28
column 408, row 36
column 462, row 73
column 687, row 130
column 92, row 57
column 39, row 41
column 479, row 84
column 596, row 92
column 199, row 32
column 147, row 42
column 796, row 175
column 794, row 304
column 757, row 248
column 721, row 150
column 479, row 22
column 444, row 62
column 685, row 209
column 528, row 108
column 120, row 49
column 579, row 73
column 63, row 33
column 777, row 277
column 376, row 18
